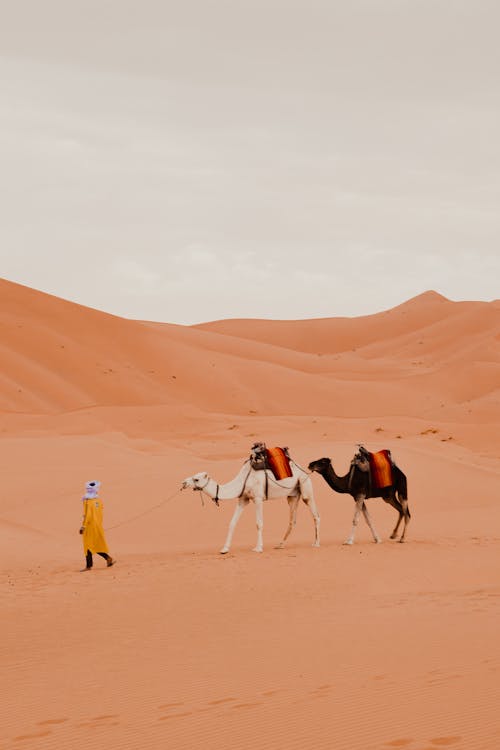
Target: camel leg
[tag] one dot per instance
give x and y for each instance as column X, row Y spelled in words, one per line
column 360, row 500
column 393, row 501
column 306, row 491
column 401, row 505
column 293, row 502
column 404, row 503
column 311, row 504
column 395, row 532
column 368, row 520
column 259, row 517
column 232, row 524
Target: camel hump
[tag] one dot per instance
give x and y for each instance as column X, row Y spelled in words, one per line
column 381, row 469
column 276, row 459
column 279, row 462
column 379, row 465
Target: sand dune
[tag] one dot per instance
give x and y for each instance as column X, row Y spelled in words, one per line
column 356, row 648
column 58, row 356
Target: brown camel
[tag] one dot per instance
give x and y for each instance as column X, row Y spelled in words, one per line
column 357, row 484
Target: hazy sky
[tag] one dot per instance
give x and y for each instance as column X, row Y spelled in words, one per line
column 201, row 159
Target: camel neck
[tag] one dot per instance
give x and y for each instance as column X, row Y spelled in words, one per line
column 340, row 484
column 231, row 489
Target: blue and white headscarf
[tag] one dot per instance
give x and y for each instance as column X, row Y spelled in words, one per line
column 91, row 490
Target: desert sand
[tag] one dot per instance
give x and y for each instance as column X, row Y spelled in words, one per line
column 340, row 648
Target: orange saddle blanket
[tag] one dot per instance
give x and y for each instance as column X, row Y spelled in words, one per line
column 381, row 469
column 279, row 463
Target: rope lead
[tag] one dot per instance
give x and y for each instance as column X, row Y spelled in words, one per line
column 144, row 512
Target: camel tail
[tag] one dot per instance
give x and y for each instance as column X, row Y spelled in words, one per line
column 402, row 489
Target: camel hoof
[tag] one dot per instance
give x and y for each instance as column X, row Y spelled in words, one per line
column 257, row 549
column 348, row 542
column 315, row 544
column 224, row 551
column 278, row 546
column 401, row 541
column 378, row 541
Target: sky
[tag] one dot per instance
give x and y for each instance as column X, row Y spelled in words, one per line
column 206, row 159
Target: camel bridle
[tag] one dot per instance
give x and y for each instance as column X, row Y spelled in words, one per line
column 200, row 489
column 196, row 488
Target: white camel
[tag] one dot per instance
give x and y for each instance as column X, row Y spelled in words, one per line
column 254, row 485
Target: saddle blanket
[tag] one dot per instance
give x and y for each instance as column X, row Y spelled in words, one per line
column 279, row 463
column 381, row 469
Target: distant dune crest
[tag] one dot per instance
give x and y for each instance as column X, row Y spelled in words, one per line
column 423, row 356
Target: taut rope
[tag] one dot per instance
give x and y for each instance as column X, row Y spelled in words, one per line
column 145, row 512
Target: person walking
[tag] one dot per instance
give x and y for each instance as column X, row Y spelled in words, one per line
column 92, row 529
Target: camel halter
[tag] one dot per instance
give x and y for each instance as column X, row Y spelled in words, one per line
column 200, row 489
column 216, row 498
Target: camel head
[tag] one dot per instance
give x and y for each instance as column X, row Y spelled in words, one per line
column 196, row 482
column 320, row 465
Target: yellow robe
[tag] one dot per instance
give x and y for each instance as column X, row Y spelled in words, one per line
column 93, row 533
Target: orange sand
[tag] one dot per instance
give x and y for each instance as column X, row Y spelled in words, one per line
column 368, row 647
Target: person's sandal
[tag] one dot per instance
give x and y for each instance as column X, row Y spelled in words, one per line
column 110, row 562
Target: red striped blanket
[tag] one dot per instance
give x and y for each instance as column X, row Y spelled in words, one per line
column 279, row 463
column 381, row 469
